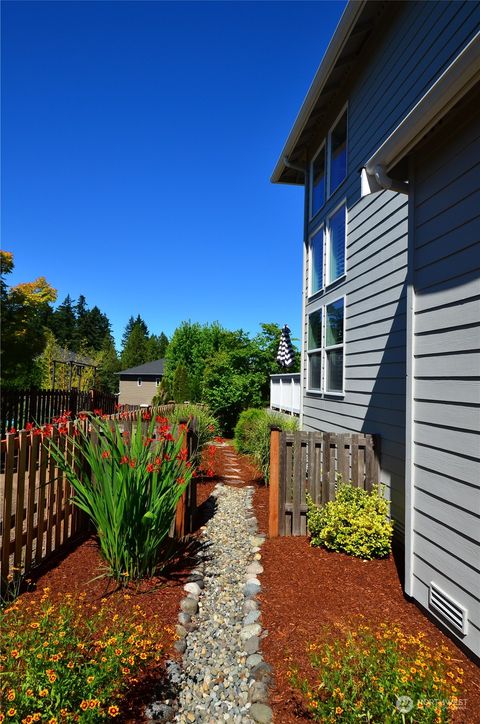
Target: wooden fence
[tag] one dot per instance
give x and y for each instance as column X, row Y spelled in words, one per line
column 39, row 406
column 37, row 515
column 312, row 461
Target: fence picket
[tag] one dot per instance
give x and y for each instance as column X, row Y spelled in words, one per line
column 19, row 508
column 7, row 504
column 32, row 480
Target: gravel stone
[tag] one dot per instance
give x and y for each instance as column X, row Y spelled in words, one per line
column 261, row 713
column 189, row 605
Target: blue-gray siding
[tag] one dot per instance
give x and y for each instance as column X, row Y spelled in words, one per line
column 399, row 66
column 446, row 390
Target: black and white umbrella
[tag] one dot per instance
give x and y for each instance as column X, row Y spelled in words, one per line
column 285, row 355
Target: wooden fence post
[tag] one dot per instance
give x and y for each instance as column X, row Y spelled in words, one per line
column 182, row 503
column 274, row 483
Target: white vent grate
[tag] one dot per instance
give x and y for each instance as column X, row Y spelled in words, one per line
column 449, row 610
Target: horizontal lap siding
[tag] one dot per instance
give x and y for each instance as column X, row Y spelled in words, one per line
column 446, row 405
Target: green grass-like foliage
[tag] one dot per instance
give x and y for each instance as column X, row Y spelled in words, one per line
column 252, row 435
column 72, row 660
column 129, row 486
column 378, row 674
column 206, row 425
column 355, row 523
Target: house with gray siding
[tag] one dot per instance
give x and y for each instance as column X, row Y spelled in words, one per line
column 139, row 385
column 387, row 145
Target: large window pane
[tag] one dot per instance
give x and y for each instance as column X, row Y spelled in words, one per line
column 336, row 240
column 316, row 261
column 334, row 330
column 338, row 153
column 318, row 182
column 334, row 370
column 315, row 330
column 315, row 371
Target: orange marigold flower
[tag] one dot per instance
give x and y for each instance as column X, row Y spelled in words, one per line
column 113, row 711
column 29, row 692
column 70, row 665
column 43, row 693
column 338, row 710
column 90, row 679
column 11, row 712
column 83, row 705
column 14, row 654
column 11, row 695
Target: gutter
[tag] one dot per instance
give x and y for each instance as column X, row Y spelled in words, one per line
column 343, row 30
column 460, row 76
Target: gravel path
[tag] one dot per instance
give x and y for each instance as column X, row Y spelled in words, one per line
column 223, row 677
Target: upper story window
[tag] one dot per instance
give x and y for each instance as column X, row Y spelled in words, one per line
column 328, row 168
column 336, row 244
column 315, row 351
column 316, row 261
column 317, row 182
column 338, row 153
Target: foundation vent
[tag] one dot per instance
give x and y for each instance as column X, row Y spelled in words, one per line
column 448, row 609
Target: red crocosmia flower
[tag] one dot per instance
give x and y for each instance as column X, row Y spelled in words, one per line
column 123, row 459
column 97, row 412
column 161, row 420
column 167, row 457
column 146, row 416
column 180, row 480
column 158, row 461
column 188, row 464
column 12, row 431
column 62, row 430
column 67, row 413
column 150, row 468
column 105, row 454
column 182, row 426
column 117, row 407
column 82, row 416
column 132, row 463
column 29, row 426
column 211, row 428
column 183, row 454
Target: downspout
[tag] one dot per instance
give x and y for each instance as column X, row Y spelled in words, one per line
column 385, row 181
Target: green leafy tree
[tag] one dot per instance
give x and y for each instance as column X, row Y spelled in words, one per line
column 181, row 384
column 25, row 310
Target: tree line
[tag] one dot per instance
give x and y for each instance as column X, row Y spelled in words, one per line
column 35, row 333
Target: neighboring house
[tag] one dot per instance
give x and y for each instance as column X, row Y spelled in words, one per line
column 387, row 144
column 138, row 385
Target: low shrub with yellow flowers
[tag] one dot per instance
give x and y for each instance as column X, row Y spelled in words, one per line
column 378, row 674
column 72, row 660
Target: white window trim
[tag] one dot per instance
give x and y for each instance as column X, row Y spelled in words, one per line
column 334, row 393
column 311, row 293
column 316, row 350
column 326, row 242
column 323, row 392
column 139, row 381
column 330, row 193
column 311, row 213
column 158, row 381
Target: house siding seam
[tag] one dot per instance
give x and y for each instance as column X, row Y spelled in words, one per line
column 446, row 383
column 398, row 68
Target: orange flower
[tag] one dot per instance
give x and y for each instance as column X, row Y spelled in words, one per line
column 15, row 654
column 83, row 705
column 338, row 710
column 43, row 693
column 11, row 695
column 113, row 711
column 11, row 712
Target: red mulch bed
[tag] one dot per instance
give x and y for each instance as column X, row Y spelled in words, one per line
column 303, row 590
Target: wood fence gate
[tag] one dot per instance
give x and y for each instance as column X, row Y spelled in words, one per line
column 315, row 462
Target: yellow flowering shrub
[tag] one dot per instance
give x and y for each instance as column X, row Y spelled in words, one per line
column 379, row 674
column 71, row 661
column 356, row 522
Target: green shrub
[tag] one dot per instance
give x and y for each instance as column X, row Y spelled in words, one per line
column 379, row 674
column 207, row 426
column 252, row 435
column 355, row 523
column 129, row 486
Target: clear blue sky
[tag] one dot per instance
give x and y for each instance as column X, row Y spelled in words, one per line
column 138, row 139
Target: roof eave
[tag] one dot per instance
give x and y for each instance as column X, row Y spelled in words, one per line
column 342, row 32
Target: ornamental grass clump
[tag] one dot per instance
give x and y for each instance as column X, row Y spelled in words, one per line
column 73, row 660
column 252, row 435
column 129, row 485
column 356, row 522
column 379, row 674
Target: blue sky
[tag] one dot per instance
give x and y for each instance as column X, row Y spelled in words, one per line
column 138, row 140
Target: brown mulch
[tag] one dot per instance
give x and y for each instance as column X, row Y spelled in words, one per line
column 304, row 589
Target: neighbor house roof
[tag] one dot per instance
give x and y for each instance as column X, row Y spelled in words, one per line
column 354, row 28
column 149, row 368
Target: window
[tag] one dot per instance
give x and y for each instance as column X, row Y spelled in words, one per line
column 317, row 182
column 315, row 351
column 316, row 261
column 336, row 242
column 334, row 314
column 338, row 153
column 157, row 381
column 325, row 348
column 139, row 381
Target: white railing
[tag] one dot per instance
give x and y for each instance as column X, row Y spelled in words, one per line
column 285, row 393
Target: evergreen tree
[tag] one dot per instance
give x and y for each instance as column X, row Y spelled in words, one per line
column 95, row 327
column 135, row 351
column 64, row 325
column 181, row 386
column 163, row 344
column 127, row 332
column 108, row 364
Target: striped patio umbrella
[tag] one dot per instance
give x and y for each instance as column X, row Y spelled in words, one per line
column 285, row 351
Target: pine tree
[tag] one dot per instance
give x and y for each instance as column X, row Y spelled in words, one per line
column 127, row 332
column 108, row 364
column 64, row 325
column 95, row 327
column 163, row 344
column 181, row 385
column 135, row 351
